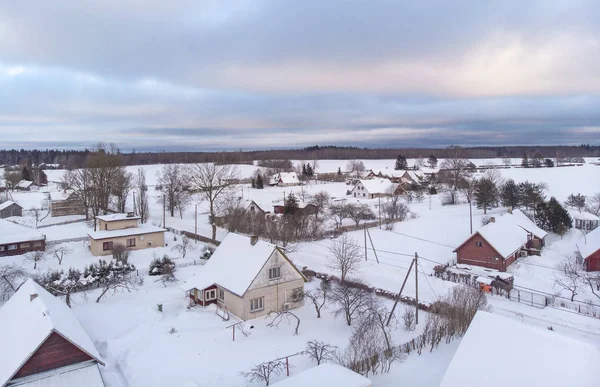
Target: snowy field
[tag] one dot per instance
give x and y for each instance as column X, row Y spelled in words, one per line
column 134, row 337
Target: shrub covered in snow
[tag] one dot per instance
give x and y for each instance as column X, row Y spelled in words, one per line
column 160, row 266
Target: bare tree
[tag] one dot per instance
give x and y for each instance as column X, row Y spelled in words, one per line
column 103, row 166
column 35, row 257
column 142, row 203
column 593, row 204
column 319, row 296
column 339, row 212
column 350, row 301
column 280, row 316
column 119, row 280
column 11, row 278
column 173, row 181
column 120, row 253
column 264, row 371
column 394, row 210
column 168, row 274
column 79, row 182
column 213, row 181
column 360, row 213
column 38, row 214
column 408, row 319
column 121, row 186
column 454, row 168
column 570, row 279
column 184, row 246
column 12, row 179
column 344, row 255
column 355, row 167
column 321, row 201
column 59, row 253
column 319, row 351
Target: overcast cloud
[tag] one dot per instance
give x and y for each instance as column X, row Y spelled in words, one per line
column 200, row 75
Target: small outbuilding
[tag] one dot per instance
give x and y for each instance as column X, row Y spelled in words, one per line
column 64, row 203
column 588, row 249
column 10, row 208
column 584, row 220
column 125, row 230
column 326, row 375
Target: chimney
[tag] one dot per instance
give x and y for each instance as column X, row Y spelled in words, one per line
column 492, row 219
column 32, row 296
column 510, row 209
column 253, row 239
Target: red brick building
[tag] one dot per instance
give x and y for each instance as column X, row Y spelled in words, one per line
column 43, row 340
column 495, row 246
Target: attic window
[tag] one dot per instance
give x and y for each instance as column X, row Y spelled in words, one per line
column 275, row 273
column 479, row 244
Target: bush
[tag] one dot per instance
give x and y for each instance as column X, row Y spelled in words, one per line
column 120, row 253
column 207, row 254
column 160, row 266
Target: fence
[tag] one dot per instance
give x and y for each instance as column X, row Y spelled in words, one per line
column 59, row 241
column 537, row 300
column 587, row 309
column 62, row 223
column 191, row 235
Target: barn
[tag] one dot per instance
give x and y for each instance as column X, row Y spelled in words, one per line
column 588, row 248
column 43, row 343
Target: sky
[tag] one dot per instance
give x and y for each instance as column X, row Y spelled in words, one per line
column 260, row 74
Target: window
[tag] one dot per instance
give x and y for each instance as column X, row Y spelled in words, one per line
column 221, row 295
column 12, row 247
column 107, row 246
column 478, row 244
column 297, row 294
column 1, row 248
column 364, row 195
column 37, row 244
column 251, row 208
column 210, row 294
column 25, row 245
column 257, row 304
column 131, row 242
column 106, row 226
column 275, row 273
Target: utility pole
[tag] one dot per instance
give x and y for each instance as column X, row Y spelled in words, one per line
column 379, row 213
column 471, row 214
column 416, row 289
column 164, row 212
column 365, row 232
column 429, row 200
column 195, row 223
column 400, row 293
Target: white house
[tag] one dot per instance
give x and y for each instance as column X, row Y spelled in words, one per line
column 375, row 188
column 326, row 375
column 536, row 356
column 249, row 278
column 43, row 343
column 584, row 220
column 284, row 179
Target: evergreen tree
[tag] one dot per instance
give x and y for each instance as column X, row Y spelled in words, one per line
column 401, row 163
column 291, row 204
column 525, row 161
column 486, row 194
column 537, row 160
column 576, row 201
column 260, row 184
column 509, row 194
column 339, row 172
column 549, row 163
column 26, row 174
column 432, row 161
column 309, row 170
column 559, row 220
column 253, row 183
column 304, row 173
column 530, row 194
column 541, row 215
column 42, row 177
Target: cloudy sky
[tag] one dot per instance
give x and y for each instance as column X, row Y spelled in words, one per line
column 254, row 74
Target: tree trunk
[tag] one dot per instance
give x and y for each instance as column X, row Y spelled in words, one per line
column 101, row 295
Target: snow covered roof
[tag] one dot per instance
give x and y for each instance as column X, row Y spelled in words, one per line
column 140, row 230
column 27, row 323
column 583, row 215
column 589, row 243
column 538, row 356
column 285, row 178
column 379, row 186
column 234, row 264
column 521, row 220
column 326, row 375
column 57, row 196
column 415, row 176
column 14, row 233
column 505, row 237
column 7, row 204
column 116, row 217
column 25, row 184
column 88, row 376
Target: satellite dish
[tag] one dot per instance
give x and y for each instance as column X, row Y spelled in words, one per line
column 141, row 237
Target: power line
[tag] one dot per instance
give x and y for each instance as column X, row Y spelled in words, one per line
column 421, row 239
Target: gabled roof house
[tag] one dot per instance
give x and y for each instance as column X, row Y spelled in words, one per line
column 375, row 188
column 248, row 277
column 496, row 246
column 518, row 218
column 10, row 208
column 284, row 179
column 43, row 343
column 588, row 248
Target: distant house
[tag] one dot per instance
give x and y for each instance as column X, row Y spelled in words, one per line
column 284, row 179
column 495, row 246
column 49, row 166
column 413, row 177
column 375, row 188
column 584, row 220
column 560, row 360
column 26, row 185
column 64, row 203
column 326, row 375
column 304, row 208
column 125, row 230
column 16, row 239
column 537, row 238
column 247, row 277
column 588, row 249
column 43, row 343
column 9, row 208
